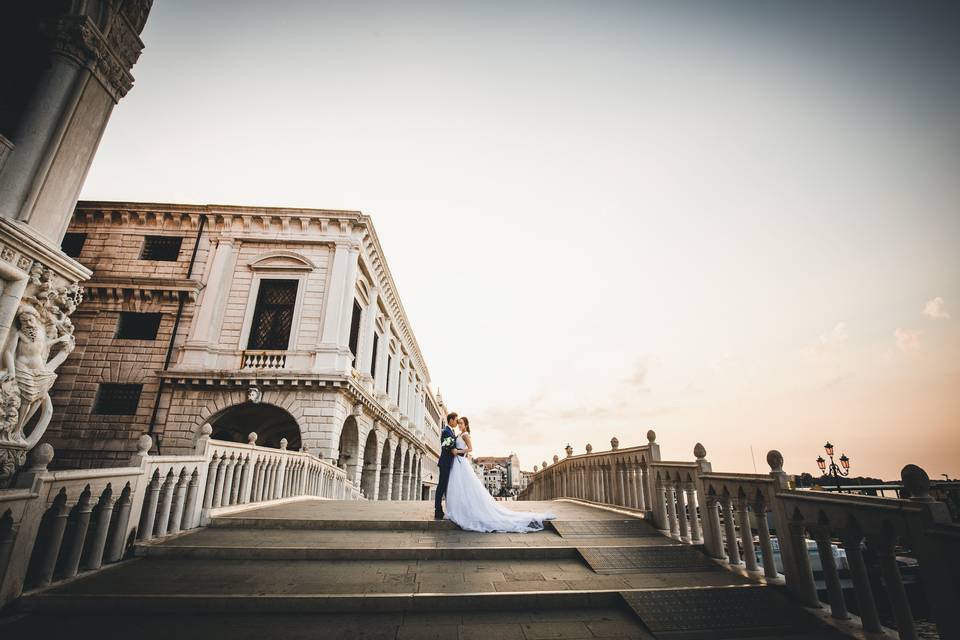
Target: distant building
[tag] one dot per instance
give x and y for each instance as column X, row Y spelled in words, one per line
column 495, row 479
column 510, row 463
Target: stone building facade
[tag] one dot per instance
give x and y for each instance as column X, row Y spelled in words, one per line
column 285, row 323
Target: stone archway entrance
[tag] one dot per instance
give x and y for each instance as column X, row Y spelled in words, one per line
column 348, row 456
column 368, row 477
column 269, row 422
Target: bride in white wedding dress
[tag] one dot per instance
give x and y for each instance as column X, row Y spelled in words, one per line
column 470, row 507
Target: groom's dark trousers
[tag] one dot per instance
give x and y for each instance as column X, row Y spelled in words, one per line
column 444, row 463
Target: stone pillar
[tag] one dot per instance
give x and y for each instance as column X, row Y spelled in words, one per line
column 205, row 331
column 383, row 351
column 333, row 352
column 746, row 534
column 866, row 605
column 838, row 607
column 896, row 593
column 367, row 328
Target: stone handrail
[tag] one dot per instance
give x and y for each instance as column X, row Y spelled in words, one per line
column 54, row 524
column 724, row 512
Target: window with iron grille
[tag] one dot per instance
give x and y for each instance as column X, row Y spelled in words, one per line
column 138, row 326
column 72, row 244
column 373, row 356
column 162, row 248
column 273, row 315
column 355, row 330
column 115, row 399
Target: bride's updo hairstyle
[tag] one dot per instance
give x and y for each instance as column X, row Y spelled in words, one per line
column 466, row 423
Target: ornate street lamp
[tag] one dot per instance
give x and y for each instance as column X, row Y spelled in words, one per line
column 833, row 469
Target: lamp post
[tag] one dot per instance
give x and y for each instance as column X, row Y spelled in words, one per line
column 833, row 469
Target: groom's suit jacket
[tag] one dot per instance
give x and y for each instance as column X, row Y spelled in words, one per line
column 446, row 458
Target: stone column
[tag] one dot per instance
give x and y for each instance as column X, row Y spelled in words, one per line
column 333, row 352
column 866, row 605
column 671, row 510
column 746, row 534
column 205, row 330
column 367, row 329
column 383, row 351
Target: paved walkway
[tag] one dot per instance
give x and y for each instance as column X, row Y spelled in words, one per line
column 389, row 570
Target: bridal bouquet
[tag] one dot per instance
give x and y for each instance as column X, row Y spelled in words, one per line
column 448, row 443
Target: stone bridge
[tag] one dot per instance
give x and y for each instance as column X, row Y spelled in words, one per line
column 282, row 545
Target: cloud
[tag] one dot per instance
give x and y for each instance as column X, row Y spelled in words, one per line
column 908, row 340
column 935, row 309
column 827, row 343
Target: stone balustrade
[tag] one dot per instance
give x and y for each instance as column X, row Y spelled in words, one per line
column 55, row 524
column 264, row 359
column 744, row 520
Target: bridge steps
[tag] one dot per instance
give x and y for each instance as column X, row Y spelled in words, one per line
column 335, row 561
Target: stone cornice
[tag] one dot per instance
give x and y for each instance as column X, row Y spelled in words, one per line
column 22, row 246
column 144, row 289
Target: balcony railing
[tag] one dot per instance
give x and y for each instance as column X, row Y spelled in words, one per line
column 54, row 525
column 724, row 512
column 264, row 359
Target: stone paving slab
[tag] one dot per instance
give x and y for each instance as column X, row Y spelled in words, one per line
column 665, row 559
column 724, row 613
column 608, row 623
column 607, row 528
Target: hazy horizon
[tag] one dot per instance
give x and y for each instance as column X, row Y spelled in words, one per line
column 735, row 225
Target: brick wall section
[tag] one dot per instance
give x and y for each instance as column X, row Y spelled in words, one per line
column 80, row 438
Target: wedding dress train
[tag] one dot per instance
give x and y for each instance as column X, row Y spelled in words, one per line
column 472, row 508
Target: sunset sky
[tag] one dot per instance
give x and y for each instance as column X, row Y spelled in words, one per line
column 735, row 223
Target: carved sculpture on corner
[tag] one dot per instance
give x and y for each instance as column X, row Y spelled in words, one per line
column 42, row 327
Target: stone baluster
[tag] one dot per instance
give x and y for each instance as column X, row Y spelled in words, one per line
column 58, row 523
column 899, row 603
column 210, row 489
column 177, row 518
column 838, row 608
column 866, row 605
column 190, row 508
column 730, row 527
column 78, row 536
column 766, row 546
column 166, row 502
column 714, row 535
column 671, row 504
column 682, row 518
column 228, row 480
column 696, row 537
column 646, row 501
column 237, row 479
column 101, row 528
column 641, row 482
column 746, row 534
column 218, row 486
column 148, row 516
column 118, row 530
column 805, row 587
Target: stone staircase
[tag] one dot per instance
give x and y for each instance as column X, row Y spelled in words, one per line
column 328, row 569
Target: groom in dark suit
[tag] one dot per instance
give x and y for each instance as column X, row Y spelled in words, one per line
column 447, row 451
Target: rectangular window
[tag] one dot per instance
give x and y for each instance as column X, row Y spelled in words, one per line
column 162, row 248
column 117, row 399
column 389, row 367
column 273, row 315
column 373, row 356
column 72, row 244
column 138, row 326
column 355, row 330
